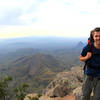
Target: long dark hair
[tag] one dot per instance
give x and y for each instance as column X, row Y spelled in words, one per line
column 91, row 36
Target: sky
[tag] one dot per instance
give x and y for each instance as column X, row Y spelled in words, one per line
column 63, row 18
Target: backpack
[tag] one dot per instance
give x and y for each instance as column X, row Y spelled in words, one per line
column 90, row 42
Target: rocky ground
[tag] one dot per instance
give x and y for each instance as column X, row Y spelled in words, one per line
column 66, row 86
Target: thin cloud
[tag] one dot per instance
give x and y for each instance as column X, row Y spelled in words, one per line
column 59, row 17
column 19, row 12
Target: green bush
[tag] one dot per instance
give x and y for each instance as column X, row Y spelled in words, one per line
column 39, row 95
column 4, row 87
column 20, row 92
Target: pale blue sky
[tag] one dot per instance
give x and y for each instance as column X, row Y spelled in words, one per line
column 48, row 17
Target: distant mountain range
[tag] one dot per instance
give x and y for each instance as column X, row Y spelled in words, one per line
column 80, row 44
column 39, row 66
column 44, row 43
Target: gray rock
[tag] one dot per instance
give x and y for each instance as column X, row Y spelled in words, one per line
column 64, row 83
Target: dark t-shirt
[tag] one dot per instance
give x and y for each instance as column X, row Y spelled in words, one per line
column 93, row 67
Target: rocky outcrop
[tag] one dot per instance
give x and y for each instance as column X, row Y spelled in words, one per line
column 78, row 93
column 49, row 98
column 35, row 95
column 69, row 97
column 64, row 84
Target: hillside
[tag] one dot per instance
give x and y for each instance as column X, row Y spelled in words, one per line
column 11, row 56
column 38, row 67
column 67, row 85
column 32, row 65
column 38, row 70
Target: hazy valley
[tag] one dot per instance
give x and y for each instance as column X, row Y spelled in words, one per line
column 36, row 61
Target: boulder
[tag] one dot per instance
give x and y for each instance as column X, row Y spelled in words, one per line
column 49, row 98
column 64, row 83
column 78, row 93
column 31, row 95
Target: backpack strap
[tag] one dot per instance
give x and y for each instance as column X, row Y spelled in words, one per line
column 91, row 50
column 90, row 45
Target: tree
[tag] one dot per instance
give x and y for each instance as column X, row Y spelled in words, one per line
column 20, row 92
column 4, row 87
